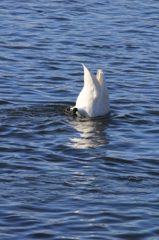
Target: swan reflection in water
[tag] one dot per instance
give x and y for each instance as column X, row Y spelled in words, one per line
column 91, row 133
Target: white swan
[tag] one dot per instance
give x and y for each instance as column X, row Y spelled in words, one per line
column 93, row 100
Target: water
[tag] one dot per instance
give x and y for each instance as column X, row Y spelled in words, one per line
column 68, row 178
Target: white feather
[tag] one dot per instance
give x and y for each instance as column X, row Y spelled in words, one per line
column 93, row 100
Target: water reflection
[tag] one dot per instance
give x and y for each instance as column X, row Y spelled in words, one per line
column 91, row 133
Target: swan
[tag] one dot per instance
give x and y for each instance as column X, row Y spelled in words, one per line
column 93, row 100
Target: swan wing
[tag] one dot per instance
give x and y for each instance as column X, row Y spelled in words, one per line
column 93, row 100
column 90, row 91
column 103, row 100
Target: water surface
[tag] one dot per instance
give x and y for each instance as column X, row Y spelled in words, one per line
column 69, row 178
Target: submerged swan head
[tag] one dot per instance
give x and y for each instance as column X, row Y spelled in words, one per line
column 93, row 100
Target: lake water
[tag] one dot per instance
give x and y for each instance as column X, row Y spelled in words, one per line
column 68, row 178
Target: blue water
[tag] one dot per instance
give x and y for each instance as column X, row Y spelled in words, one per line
column 67, row 178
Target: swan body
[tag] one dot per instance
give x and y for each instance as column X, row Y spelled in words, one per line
column 93, row 100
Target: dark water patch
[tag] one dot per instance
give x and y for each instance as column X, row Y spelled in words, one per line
column 104, row 46
column 4, row 103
